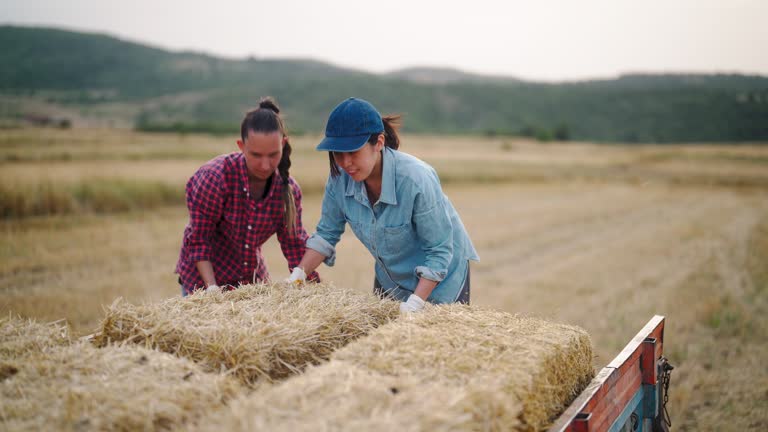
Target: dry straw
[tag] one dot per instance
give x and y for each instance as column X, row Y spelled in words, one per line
column 257, row 332
column 20, row 336
column 538, row 364
column 81, row 388
column 343, row 396
column 449, row 368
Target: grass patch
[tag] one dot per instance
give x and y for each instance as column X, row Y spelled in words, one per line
column 10, row 156
column 755, row 159
column 729, row 351
column 758, row 257
column 729, row 318
column 100, row 195
column 111, row 195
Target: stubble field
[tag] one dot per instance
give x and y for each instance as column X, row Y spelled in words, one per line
column 601, row 236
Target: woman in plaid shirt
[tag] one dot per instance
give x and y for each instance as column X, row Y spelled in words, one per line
column 236, row 202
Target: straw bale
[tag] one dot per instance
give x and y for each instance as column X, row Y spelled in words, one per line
column 257, row 333
column 343, row 396
column 451, row 367
column 543, row 365
column 122, row 388
column 20, row 336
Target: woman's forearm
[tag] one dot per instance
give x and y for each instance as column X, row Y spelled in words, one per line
column 311, row 260
column 424, row 288
column 205, row 268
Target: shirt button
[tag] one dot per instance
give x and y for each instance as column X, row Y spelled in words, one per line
column 245, row 190
column 246, row 246
column 250, row 227
column 245, row 263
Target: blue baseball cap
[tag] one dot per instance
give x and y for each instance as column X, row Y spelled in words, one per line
column 350, row 125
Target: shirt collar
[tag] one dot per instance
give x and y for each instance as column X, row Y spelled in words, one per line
column 389, row 169
column 388, row 195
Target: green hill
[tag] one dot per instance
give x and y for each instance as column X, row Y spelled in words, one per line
column 162, row 90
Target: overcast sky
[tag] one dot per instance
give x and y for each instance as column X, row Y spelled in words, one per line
column 536, row 39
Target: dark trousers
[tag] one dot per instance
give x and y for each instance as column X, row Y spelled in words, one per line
column 463, row 295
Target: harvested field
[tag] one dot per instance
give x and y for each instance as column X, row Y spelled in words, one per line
column 450, row 368
column 600, row 236
column 123, row 388
column 258, row 332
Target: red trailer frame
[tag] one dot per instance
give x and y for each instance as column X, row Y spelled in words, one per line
column 627, row 395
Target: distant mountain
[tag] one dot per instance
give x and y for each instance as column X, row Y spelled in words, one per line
column 431, row 75
column 35, row 58
column 87, row 76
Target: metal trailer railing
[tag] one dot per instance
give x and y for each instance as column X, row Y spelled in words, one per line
column 628, row 395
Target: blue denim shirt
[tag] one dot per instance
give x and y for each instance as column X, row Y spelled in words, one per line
column 412, row 231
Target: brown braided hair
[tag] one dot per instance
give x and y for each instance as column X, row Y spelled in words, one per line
column 266, row 119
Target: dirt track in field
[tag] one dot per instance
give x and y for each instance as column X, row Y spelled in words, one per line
column 607, row 257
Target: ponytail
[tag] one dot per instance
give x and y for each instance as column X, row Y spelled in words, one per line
column 266, row 119
column 392, row 123
column 288, row 202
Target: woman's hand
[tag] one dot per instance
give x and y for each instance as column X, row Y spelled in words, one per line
column 308, row 264
column 213, row 289
column 413, row 304
column 297, row 277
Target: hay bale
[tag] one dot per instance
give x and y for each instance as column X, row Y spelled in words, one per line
column 539, row 364
column 256, row 333
column 343, row 396
column 121, row 388
column 450, row 368
column 20, row 336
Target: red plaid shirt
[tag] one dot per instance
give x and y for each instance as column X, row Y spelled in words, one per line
column 227, row 226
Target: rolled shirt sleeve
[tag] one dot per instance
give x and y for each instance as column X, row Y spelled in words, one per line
column 205, row 201
column 434, row 230
column 331, row 225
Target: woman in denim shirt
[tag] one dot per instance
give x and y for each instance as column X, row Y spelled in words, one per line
column 394, row 204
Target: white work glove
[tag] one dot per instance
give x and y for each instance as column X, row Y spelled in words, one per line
column 212, row 289
column 413, row 304
column 297, row 276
